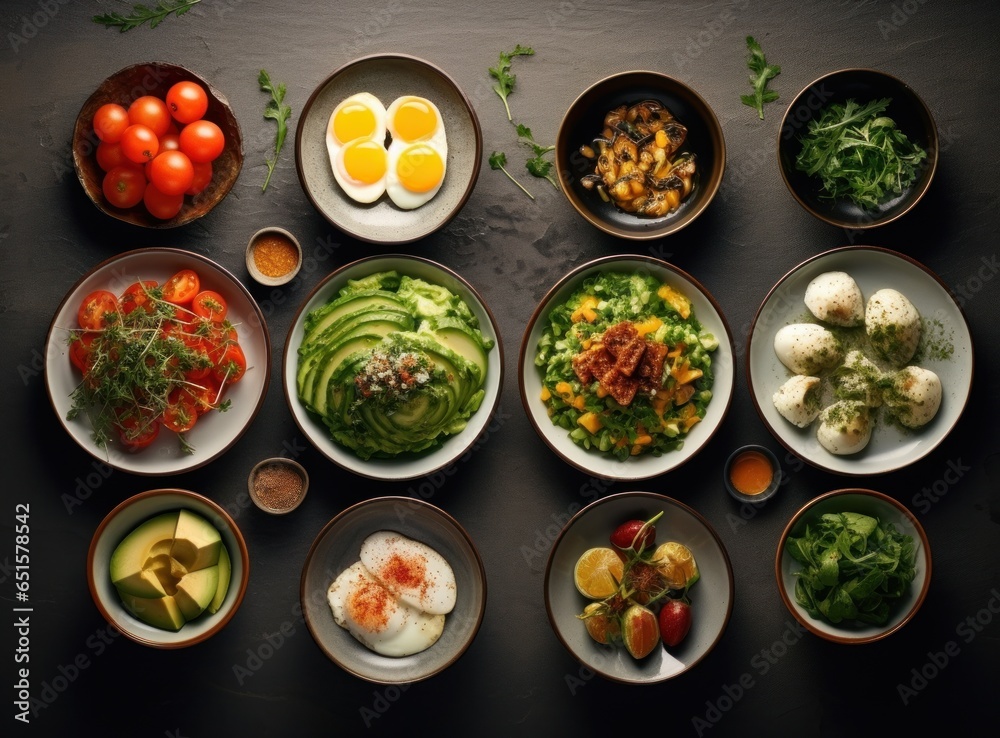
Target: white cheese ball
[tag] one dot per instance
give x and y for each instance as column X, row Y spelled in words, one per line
column 835, row 298
column 807, row 348
column 915, row 396
column 845, row 427
column 893, row 326
column 798, row 400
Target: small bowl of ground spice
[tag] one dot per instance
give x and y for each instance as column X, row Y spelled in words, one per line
column 278, row 485
column 752, row 474
column 274, row 256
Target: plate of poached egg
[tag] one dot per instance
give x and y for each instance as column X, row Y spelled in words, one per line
column 860, row 361
column 388, row 148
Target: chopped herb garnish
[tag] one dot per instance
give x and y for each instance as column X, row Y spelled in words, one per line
column 501, row 73
column 538, row 165
column 277, row 111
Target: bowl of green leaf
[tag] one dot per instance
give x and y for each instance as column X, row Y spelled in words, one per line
column 853, row 566
column 858, row 148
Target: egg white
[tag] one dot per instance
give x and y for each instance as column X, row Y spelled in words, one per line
column 798, row 400
column 915, row 396
column 807, row 348
column 893, row 325
column 845, row 427
column 434, row 592
column 835, row 298
column 355, row 189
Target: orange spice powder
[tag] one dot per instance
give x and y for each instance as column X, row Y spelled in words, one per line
column 751, row 473
column 275, row 255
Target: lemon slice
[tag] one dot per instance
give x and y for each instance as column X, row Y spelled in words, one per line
column 597, row 573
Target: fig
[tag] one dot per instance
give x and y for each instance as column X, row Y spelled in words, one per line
column 674, row 621
column 602, row 625
column 635, row 535
column 640, row 631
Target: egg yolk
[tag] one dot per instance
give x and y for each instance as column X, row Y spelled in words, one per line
column 420, row 168
column 353, row 121
column 415, row 120
column 365, row 161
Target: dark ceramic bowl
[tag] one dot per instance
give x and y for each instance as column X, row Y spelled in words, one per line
column 758, row 497
column 585, row 120
column 911, row 115
column 155, row 78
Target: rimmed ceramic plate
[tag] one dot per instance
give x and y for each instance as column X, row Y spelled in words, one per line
column 402, row 466
column 338, row 546
column 215, row 432
column 705, row 309
column 873, row 268
column 711, row 596
column 388, row 76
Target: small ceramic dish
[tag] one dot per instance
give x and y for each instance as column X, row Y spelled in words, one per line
column 278, row 485
column 121, row 521
column 274, row 256
column 886, row 510
column 585, row 120
column 911, row 116
column 752, row 474
column 156, row 78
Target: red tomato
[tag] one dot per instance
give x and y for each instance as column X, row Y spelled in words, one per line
column 233, row 365
column 171, row 172
column 209, row 305
column 139, row 144
column 202, row 140
column 109, row 156
column 79, row 350
column 205, row 394
column 137, row 296
column 137, row 433
column 160, row 204
column 202, row 177
column 124, row 186
column 150, row 111
column 94, row 308
column 180, row 414
column 181, row 288
column 110, row 122
column 170, row 142
column 187, row 101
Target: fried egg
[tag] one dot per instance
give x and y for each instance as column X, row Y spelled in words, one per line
column 807, row 348
column 418, row 151
column 835, row 298
column 355, row 142
column 377, row 619
column 414, row 572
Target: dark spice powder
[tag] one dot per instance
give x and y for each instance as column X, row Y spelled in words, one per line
column 277, row 486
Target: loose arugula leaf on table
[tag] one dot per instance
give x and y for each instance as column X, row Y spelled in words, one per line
column 278, row 111
column 501, row 73
column 498, row 160
column 538, row 166
column 858, row 153
column 760, row 74
column 141, row 14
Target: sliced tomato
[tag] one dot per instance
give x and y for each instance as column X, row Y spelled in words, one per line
column 137, row 295
column 181, row 288
column 210, row 305
column 216, row 339
column 232, row 366
column 79, row 350
column 205, row 394
column 93, row 310
column 137, row 433
column 180, row 415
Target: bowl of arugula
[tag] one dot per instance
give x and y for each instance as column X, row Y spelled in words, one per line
column 858, row 148
column 853, row 566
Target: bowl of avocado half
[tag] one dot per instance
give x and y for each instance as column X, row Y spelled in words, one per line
column 168, row 568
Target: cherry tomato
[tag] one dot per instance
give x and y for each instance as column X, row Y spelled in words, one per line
column 171, row 172
column 110, row 122
column 202, row 177
column 202, row 140
column 137, row 295
column 233, row 365
column 181, row 288
column 210, row 305
column 79, row 350
column 109, row 156
column 203, row 367
column 137, row 433
column 187, row 101
column 94, row 308
column 180, row 414
column 205, row 394
column 150, row 111
column 139, row 143
column 160, row 204
column 124, row 186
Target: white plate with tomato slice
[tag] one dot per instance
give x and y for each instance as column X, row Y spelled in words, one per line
column 208, row 356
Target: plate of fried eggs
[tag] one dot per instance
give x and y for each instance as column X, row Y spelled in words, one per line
column 388, row 148
column 393, row 590
column 860, row 361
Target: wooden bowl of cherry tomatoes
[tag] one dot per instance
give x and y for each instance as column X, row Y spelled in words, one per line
column 157, row 146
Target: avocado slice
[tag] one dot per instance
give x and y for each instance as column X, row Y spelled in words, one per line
column 195, row 591
column 225, row 574
column 196, row 542
column 160, row 612
column 128, row 566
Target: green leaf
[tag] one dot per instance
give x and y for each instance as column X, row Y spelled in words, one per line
column 497, row 161
column 142, row 14
column 760, row 74
column 501, row 73
column 278, row 111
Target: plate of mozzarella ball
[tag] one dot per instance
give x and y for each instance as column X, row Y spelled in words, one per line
column 860, row 361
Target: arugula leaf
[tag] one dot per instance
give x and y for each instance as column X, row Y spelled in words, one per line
column 760, row 74
column 498, row 160
column 538, row 166
column 501, row 73
column 141, row 14
column 277, row 111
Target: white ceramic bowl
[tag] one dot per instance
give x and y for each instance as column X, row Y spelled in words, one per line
column 865, row 502
column 711, row 596
column 123, row 520
column 338, row 546
column 644, row 466
column 215, row 432
column 873, row 268
column 403, row 466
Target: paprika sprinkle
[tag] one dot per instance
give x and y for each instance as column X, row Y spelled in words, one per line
column 273, row 256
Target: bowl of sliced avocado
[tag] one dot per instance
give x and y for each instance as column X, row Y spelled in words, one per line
column 168, row 568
